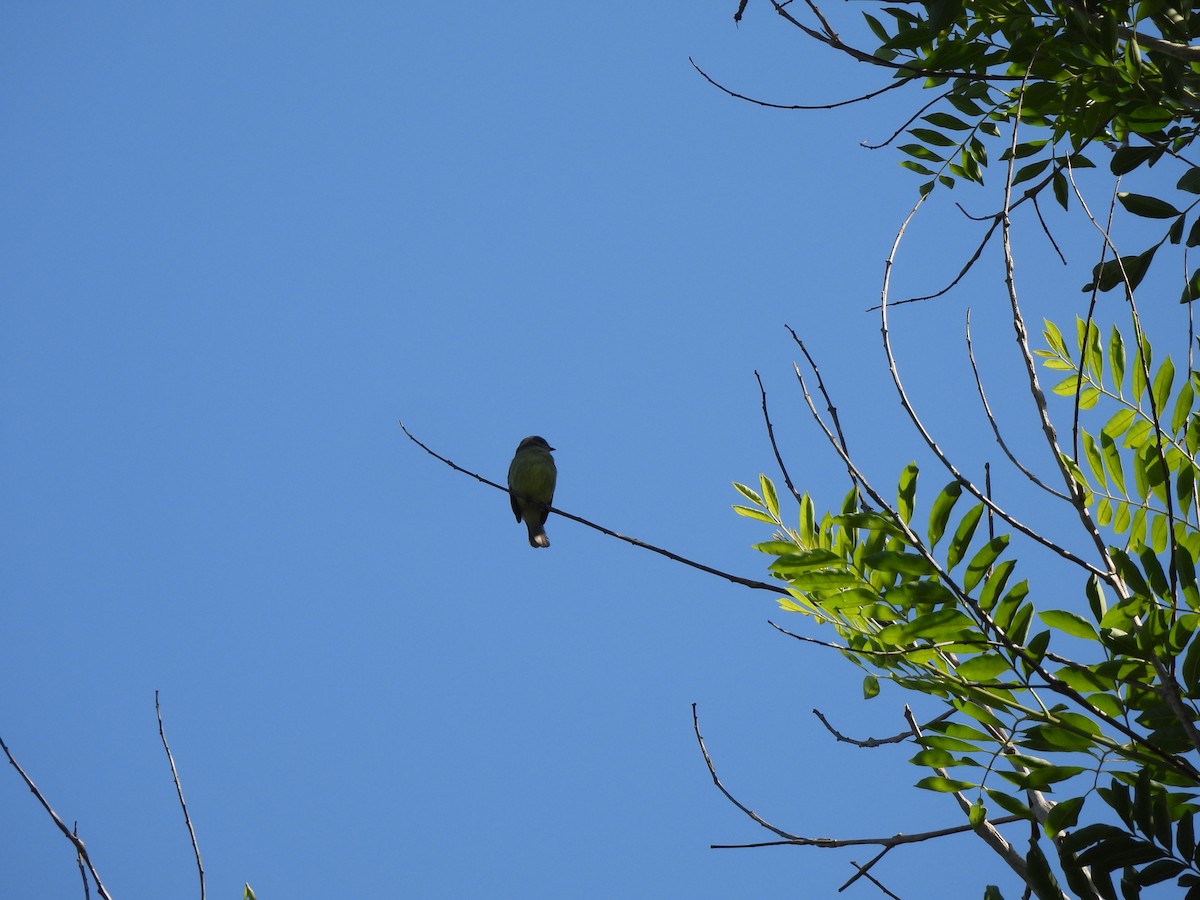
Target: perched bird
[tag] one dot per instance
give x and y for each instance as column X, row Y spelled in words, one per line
column 531, row 478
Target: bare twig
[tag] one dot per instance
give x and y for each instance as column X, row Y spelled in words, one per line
column 910, row 410
column 787, row 479
column 736, row 579
column 768, row 105
column 1046, row 230
column 987, row 410
column 179, row 791
column 87, row 890
column 862, row 872
column 895, row 840
column 80, row 849
column 899, row 131
column 829, row 407
column 879, row 742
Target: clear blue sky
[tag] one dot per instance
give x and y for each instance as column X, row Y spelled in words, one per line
column 240, row 241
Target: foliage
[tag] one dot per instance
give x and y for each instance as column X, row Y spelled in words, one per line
column 936, row 605
column 1076, row 715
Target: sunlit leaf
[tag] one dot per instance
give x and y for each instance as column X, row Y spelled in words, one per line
column 1069, row 623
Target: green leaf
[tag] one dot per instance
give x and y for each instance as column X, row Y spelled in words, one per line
column 1048, row 775
column 934, row 759
column 919, row 151
column 748, row 494
column 769, row 496
column 753, row 514
column 870, row 687
column 1010, row 803
column 1054, row 339
column 982, row 561
column 945, row 120
column 1126, row 159
column 1191, row 290
column 1125, row 270
column 929, row 136
column 1146, row 206
column 1032, row 170
column 1163, row 381
column 793, row 560
column 1064, row 814
column 939, row 625
column 1091, row 453
column 1189, row 181
column 876, row 28
column 899, row 562
column 944, row 785
column 993, row 587
column 982, row 668
column 962, row 536
column 1061, row 192
column 1112, row 461
column 977, row 814
column 939, row 513
column 1116, row 361
column 906, row 493
column 1069, row 623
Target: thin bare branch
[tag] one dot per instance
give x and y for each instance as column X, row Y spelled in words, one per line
column 83, row 875
column 80, row 849
column 787, row 478
column 895, row 840
column 790, row 838
column 1029, row 195
column 179, row 792
column 1046, row 230
column 863, row 872
column 902, row 394
column 1075, row 491
column 879, row 742
column 899, row 131
column 736, row 579
column 869, row 96
column 987, row 410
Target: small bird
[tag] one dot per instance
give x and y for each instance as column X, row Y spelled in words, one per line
column 531, row 478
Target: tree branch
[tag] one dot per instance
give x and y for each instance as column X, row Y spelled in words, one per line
column 736, row 579
column 80, row 849
column 179, row 792
column 894, row 840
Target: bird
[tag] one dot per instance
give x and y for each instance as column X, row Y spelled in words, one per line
column 531, row 478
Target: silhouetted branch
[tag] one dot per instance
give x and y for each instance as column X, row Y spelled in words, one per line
column 894, row 840
column 736, row 579
column 787, row 479
column 864, row 872
column 87, row 890
column 987, row 411
column 835, row 105
column 179, row 791
column 879, row 742
column 80, row 849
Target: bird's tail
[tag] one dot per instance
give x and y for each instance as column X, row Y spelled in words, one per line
column 537, row 535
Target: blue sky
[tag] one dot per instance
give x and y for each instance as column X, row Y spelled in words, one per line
column 241, row 241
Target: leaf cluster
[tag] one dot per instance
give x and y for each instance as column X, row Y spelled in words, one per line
column 1040, row 696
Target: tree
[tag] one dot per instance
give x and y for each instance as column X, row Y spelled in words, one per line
column 1076, row 716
